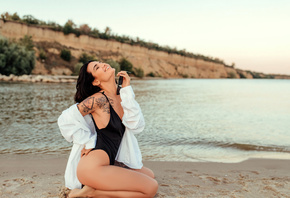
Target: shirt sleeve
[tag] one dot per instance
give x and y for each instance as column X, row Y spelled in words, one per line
column 133, row 118
column 74, row 128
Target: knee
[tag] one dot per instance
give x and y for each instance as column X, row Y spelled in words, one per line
column 85, row 171
column 149, row 172
column 152, row 189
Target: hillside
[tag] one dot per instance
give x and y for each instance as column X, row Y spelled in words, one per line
column 159, row 63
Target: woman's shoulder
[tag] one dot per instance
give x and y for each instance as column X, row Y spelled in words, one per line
column 99, row 99
column 92, row 103
column 98, row 95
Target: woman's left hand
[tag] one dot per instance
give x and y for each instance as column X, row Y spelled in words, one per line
column 126, row 78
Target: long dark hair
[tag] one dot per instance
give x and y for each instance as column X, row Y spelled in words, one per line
column 84, row 86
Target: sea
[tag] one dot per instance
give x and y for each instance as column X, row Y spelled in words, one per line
column 204, row 120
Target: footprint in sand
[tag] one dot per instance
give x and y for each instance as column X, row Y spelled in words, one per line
column 214, row 180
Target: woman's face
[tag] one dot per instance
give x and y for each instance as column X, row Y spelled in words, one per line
column 102, row 72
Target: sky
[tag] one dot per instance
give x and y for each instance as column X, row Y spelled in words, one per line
column 253, row 34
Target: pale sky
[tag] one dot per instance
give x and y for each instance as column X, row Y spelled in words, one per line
column 254, row 34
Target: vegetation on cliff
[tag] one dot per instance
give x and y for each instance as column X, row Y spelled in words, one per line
column 58, row 58
column 16, row 57
column 84, row 29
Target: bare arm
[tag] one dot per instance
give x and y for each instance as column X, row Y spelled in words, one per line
column 92, row 103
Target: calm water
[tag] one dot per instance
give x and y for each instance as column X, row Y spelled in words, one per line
column 186, row 119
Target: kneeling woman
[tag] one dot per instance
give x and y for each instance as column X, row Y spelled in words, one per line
column 105, row 158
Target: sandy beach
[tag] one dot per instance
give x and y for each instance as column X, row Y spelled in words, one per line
column 42, row 176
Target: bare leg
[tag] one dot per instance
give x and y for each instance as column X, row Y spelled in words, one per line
column 145, row 171
column 111, row 181
column 87, row 191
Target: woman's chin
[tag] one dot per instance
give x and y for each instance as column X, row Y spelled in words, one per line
column 112, row 72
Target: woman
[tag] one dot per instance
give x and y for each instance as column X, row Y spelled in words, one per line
column 100, row 137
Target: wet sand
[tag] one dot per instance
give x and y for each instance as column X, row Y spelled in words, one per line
column 42, row 176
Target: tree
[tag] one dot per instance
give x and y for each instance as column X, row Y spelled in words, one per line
column 108, row 31
column 95, row 33
column 69, row 27
column 15, row 17
column 29, row 19
column 15, row 58
column 85, row 29
column 5, row 16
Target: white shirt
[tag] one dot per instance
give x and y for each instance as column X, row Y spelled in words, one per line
column 81, row 131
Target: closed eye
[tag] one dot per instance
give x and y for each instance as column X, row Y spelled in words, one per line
column 96, row 67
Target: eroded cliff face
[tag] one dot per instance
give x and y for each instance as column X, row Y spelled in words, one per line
column 151, row 61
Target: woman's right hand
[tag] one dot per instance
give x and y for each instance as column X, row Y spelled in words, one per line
column 85, row 151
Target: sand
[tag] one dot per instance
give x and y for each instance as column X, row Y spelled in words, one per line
column 42, row 176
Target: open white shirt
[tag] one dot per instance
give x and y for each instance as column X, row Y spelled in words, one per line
column 81, row 131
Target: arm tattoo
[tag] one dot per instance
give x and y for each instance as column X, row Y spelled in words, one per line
column 88, row 104
column 102, row 104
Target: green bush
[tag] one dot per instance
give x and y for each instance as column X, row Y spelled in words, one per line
column 126, row 65
column 270, row 76
column 242, row 75
column 29, row 19
column 15, row 17
column 77, row 69
column 68, row 27
column 84, row 58
column 151, row 74
column 114, row 64
column 42, row 54
column 139, row 72
column 15, row 58
column 95, row 33
column 65, row 54
column 184, row 75
column 255, row 74
column 27, row 42
column 232, row 75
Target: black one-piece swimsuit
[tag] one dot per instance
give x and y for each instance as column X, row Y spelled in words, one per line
column 109, row 138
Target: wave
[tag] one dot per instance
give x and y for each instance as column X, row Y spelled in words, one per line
column 228, row 145
column 60, row 150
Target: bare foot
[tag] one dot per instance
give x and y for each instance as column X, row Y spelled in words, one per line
column 86, row 191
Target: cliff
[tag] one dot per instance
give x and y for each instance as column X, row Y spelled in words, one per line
column 151, row 61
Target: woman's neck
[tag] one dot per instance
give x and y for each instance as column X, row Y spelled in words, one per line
column 110, row 88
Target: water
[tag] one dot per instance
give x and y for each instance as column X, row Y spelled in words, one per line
column 224, row 120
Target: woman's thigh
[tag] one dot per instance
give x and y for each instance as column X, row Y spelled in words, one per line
column 94, row 171
column 145, row 171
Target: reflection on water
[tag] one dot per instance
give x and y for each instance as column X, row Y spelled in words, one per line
column 29, row 116
column 186, row 119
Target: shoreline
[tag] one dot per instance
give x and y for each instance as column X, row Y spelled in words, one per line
column 43, row 176
column 33, row 78
column 57, row 78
